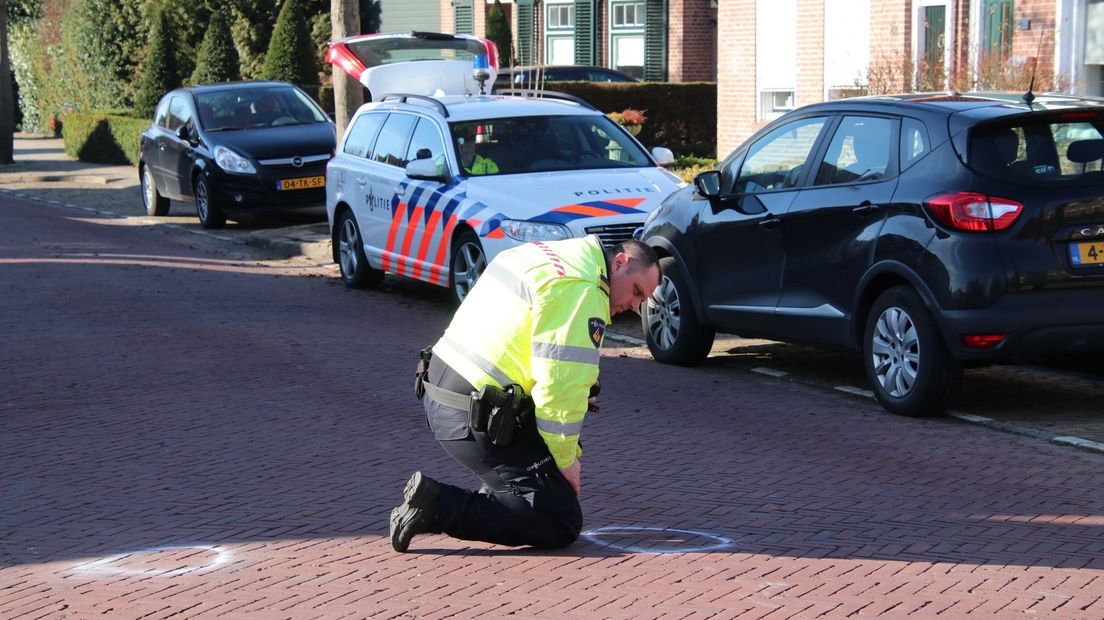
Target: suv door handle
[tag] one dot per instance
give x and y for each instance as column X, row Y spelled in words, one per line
column 770, row 223
column 865, row 209
column 361, row 179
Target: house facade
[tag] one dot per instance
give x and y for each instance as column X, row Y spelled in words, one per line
column 658, row 40
column 779, row 54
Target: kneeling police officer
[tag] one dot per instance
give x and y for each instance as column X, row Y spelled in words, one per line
column 506, row 389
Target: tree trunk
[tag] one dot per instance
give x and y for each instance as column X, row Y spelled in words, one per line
column 348, row 93
column 7, row 99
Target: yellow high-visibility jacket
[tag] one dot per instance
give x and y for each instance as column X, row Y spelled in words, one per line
column 537, row 317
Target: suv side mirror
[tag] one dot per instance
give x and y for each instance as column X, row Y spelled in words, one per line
column 708, row 184
column 425, row 170
column 183, row 133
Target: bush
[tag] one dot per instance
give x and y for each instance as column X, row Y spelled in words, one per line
column 160, row 73
column 103, row 138
column 498, row 30
column 291, row 53
column 218, row 60
column 681, row 116
column 688, row 167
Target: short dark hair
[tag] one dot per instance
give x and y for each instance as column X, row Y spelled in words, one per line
column 641, row 253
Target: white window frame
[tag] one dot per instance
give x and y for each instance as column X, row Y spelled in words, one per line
column 618, row 32
column 557, row 34
column 918, row 36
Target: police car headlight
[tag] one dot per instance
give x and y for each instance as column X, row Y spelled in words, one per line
column 534, row 231
column 232, row 162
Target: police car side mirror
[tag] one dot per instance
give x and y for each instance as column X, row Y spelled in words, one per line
column 663, row 156
column 425, row 170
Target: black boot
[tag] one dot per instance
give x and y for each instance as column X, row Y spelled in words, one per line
column 415, row 515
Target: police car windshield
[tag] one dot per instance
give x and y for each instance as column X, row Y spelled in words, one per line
column 544, row 144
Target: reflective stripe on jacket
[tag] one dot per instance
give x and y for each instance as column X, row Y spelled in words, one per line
column 537, row 317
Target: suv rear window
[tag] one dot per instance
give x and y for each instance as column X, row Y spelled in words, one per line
column 1056, row 148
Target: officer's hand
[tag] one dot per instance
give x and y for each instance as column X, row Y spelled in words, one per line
column 592, row 404
column 573, row 473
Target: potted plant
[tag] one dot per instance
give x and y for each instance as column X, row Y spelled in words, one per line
column 629, row 118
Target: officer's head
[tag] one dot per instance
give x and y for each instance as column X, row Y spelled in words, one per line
column 634, row 276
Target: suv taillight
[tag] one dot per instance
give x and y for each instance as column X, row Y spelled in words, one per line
column 971, row 211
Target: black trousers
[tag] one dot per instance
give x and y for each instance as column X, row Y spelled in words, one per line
column 525, row 500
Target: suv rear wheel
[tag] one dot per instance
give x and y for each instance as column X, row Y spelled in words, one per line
column 670, row 323
column 907, row 363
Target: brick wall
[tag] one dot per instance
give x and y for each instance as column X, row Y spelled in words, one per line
column 890, row 43
column 810, row 52
column 735, row 73
column 1038, row 41
column 691, row 41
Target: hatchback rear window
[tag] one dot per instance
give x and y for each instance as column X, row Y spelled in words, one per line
column 1055, row 148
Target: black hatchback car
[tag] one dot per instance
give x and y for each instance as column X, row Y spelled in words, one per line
column 236, row 146
column 926, row 232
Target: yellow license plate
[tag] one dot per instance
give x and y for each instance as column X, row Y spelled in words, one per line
column 1082, row 254
column 301, row 183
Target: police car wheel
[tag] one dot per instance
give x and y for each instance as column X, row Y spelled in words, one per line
column 467, row 264
column 355, row 270
column 670, row 323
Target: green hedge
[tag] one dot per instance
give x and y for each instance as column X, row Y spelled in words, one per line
column 103, row 138
column 680, row 116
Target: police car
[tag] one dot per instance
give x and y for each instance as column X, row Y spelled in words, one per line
column 433, row 187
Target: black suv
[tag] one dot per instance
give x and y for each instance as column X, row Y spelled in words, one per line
column 927, row 232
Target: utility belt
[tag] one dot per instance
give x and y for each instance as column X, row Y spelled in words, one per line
column 500, row 413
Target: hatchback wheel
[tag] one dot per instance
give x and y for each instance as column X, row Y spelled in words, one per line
column 210, row 215
column 670, row 323
column 155, row 203
column 467, row 264
column 907, row 363
column 355, row 270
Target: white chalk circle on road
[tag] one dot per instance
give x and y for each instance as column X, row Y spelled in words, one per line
column 635, row 539
column 159, row 561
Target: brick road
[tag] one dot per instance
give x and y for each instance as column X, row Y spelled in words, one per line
column 192, row 434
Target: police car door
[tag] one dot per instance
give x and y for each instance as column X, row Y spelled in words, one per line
column 385, row 183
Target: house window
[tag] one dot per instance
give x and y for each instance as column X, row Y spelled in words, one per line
column 933, row 42
column 775, row 103
column 559, row 39
column 627, row 37
column 560, row 17
column 628, row 14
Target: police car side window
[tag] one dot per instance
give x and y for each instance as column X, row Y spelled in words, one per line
column 393, row 138
column 363, row 134
column 426, row 143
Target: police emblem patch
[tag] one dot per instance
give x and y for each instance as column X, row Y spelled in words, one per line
column 597, row 329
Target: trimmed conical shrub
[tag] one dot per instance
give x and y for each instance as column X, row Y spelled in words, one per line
column 291, row 55
column 498, row 30
column 160, row 74
column 218, row 59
